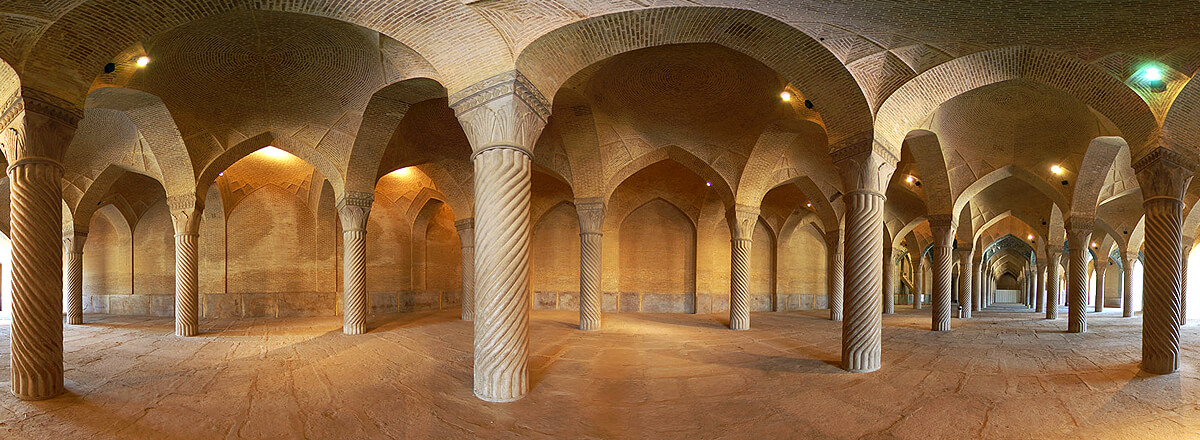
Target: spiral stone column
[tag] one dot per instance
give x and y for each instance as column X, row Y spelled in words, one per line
column 186, row 211
column 834, row 275
column 1127, row 284
column 36, row 136
column 964, row 281
column 919, row 292
column 353, row 210
column 979, row 284
column 942, row 227
column 591, row 223
column 1164, row 175
column 1039, row 302
column 1183, row 287
column 741, row 225
column 73, row 245
column 466, row 239
column 889, row 281
column 1052, row 256
column 1079, row 232
column 502, row 117
column 1101, row 267
column 866, row 168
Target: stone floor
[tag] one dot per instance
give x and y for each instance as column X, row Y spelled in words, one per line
column 1000, row 375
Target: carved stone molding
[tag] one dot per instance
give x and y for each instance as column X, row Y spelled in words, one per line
column 866, row 166
column 1164, row 173
column 591, row 215
column 505, row 109
column 742, row 220
column 353, row 210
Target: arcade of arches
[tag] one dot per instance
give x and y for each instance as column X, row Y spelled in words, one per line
column 277, row 218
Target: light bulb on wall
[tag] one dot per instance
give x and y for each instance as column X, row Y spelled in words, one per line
column 143, row 61
column 1056, row 169
column 707, row 183
column 785, row 96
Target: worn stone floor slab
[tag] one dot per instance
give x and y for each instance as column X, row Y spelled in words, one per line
column 1000, row 375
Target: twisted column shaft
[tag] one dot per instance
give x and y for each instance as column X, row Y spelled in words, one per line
column 187, row 288
column 1161, row 285
column 1183, row 286
column 919, row 292
column 979, row 285
column 834, row 274
column 1078, row 234
column 741, row 222
column 353, row 211
column 502, row 238
column 1052, row 284
column 965, row 283
column 1127, row 288
column 1100, row 269
column 74, row 249
column 889, row 282
column 37, row 326
column 1039, row 292
column 943, row 269
column 864, row 242
column 591, row 221
column 466, row 238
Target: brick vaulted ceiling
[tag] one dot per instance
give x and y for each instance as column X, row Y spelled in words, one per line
column 1007, row 87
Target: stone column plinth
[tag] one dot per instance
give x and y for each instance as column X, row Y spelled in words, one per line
column 466, row 239
column 1164, row 175
column 1052, row 259
column 943, row 269
column 866, row 169
column 834, row 275
column 353, row 210
column 73, row 246
column 591, row 223
column 1079, row 232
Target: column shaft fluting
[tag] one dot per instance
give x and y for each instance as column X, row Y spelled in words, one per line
column 1127, row 288
column 834, row 274
column 1052, row 269
column 37, row 327
column 187, row 287
column 741, row 224
column 1183, row 287
column 861, row 326
column 919, row 290
column 979, row 285
column 1161, row 285
column 74, row 266
column 1100, row 269
column 466, row 239
column 502, row 238
column 353, row 210
column 943, row 269
column 965, row 282
column 591, row 223
column 889, row 282
column 1039, row 292
column 1078, row 234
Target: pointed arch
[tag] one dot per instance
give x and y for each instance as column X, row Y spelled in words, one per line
column 1002, row 173
column 927, row 152
column 680, row 156
column 386, row 108
column 278, row 140
column 1099, row 159
column 156, row 125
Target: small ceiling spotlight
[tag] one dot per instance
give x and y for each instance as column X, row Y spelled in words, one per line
column 220, row 174
column 1056, row 169
column 402, row 172
column 707, row 183
column 1030, row 236
column 1094, row 244
column 273, row 152
column 143, row 61
column 809, row 204
column 1153, row 78
column 785, row 96
column 909, row 179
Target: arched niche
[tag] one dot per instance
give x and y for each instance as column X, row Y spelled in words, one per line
column 657, row 260
column 555, row 259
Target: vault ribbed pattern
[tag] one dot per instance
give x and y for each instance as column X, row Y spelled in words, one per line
column 37, row 325
column 864, row 243
column 1161, row 286
column 502, row 188
column 187, row 292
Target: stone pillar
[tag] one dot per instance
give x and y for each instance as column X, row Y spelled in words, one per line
column 1039, row 301
column 919, row 291
column 834, row 273
column 186, row 211
column 502, row 118
column 466, row 238
column 353, row 210
column 73, row 245
column 943, row 269
column 1127, row 285
column 591, row 224
column 1079, row 232
column 964, row 281
column 37, row 135
column 866, row 169
column 741, row 231
column 1101, row 267
column 889, row 281
column 979, row 284
column 1052, row 257
column 1164, row 176
column 1183, row 287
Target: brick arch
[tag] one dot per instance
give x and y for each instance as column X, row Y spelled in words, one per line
column 460, row 201
column 812, row 70
column 763, row 171
column 905, row 230
column 931, row 163
column 1099, row 159
column 681, row 156
column 1002, row 173
column 909, row 105
column 1006, row 214
column 154, row 122
column 10, row 91
column 456, row 41
column 278, row 140
column 386, row 108
column 88, row 203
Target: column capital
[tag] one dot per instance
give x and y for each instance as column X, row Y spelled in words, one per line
column 742, row 219
column 39, row 126
column 464, row 224
column 1128, row 258
column 942, row 226
column 353, row 210
column 505, row 109
column 591, row 215
column 1053, row 254
column 73, row 240
column 865, row 166
column 1164, row 173
column 186, row 211
column 466, row 232
column 1079, row 231
column 832, row 238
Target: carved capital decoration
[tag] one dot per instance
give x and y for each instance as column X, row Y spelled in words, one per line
column 505, row 109
column 865, row 166
column 1079, row 231
column 1164, row 173
column 742, row 220
column 73, row 241
column 942, row 226
column 591, row 215
column 186, row 212
column 353, row 210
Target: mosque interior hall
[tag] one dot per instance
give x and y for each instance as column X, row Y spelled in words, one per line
column 821, row 219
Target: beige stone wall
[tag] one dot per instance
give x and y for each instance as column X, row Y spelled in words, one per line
column 657, row 260
column 108, row 265
column 802, row 271
column 154, row 259
column 555, row 259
